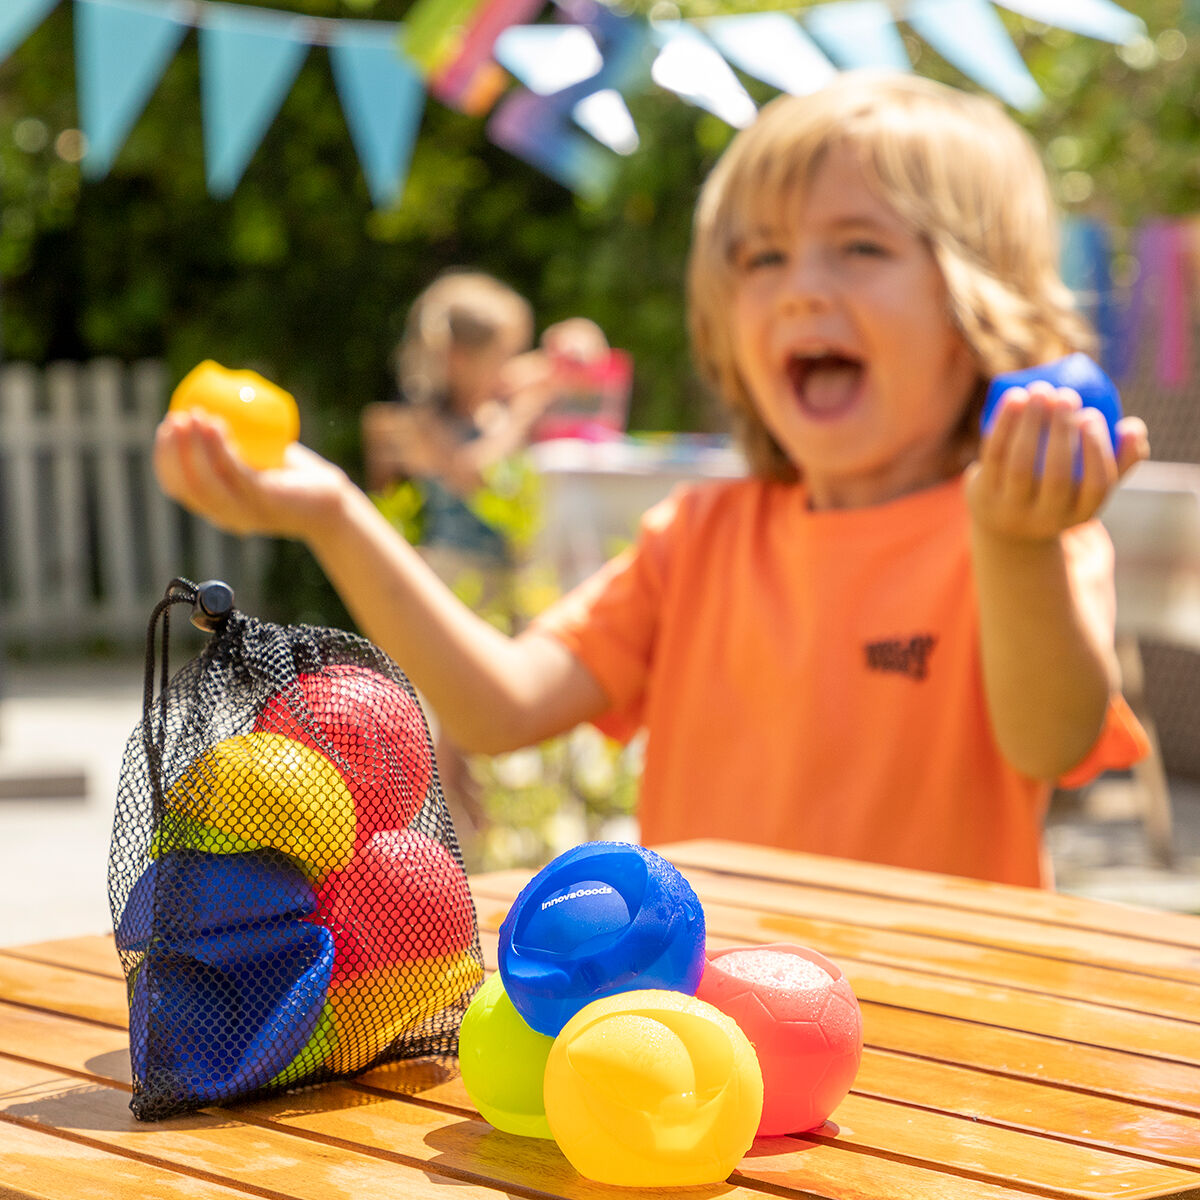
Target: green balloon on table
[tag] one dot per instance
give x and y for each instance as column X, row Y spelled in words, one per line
column 502, row 1060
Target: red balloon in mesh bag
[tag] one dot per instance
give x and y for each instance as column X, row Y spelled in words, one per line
column 373, row 731
column 403, row 898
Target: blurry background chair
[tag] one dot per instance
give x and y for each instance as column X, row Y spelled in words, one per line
column 1154, row 522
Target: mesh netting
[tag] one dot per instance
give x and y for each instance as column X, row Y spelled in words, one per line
column 287, row 890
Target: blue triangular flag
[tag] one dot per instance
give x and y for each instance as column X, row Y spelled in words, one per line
column 858, row 33
column 969, row 34
column 772, row 47
column 383, row 98
column 248, row 61
column 18, row 19
column 1096, row 18
column 122, row 48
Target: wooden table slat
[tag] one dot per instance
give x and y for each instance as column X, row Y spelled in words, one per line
column 41, row 1165
column 1040, row 907
column 95, row 954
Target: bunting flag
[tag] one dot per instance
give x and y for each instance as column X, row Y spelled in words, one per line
column 248, row 61
column 771, row 47
column 1086, row 270
column 568, row 116
column 543, row 130
column 969, row 34
column 548, row 58
column 1100, row 19
column 606, row 116
column 383, row 99
column 121, row 51
column 18, row 19
column 858, row 33
column 691, row 66
column 471, row 80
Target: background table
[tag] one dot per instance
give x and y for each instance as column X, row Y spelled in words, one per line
column 1018, row 1044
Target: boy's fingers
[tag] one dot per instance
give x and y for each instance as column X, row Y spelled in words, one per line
column 1133, row 443
column 1057, row 489
column 1099, row 468
column 1021, row 461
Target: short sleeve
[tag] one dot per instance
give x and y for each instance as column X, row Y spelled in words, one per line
column 1122, row 740
column 610, row 621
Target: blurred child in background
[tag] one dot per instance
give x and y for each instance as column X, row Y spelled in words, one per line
column 441, row 459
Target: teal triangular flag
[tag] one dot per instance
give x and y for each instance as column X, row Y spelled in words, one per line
column 771, row 47
column 122, row 48
column 969, row 34
column 248, row 61
column 383, row 98
column 18, row 19
column 858, row 33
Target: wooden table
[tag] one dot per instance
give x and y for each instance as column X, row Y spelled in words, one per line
column 1018, row 1044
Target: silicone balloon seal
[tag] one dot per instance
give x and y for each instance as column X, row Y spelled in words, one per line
column 603, row 918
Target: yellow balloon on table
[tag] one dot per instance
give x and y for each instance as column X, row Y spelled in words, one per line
column 267, row 791
column 263, row 419
column 653, row 1089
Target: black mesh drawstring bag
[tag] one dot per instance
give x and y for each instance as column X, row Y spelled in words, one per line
column 287, row 891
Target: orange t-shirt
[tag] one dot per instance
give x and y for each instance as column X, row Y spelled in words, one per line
column 813, row 680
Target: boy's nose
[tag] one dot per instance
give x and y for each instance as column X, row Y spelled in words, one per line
column 805, row 286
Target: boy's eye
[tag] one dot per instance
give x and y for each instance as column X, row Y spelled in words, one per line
column 864, row 248
column 758, row 257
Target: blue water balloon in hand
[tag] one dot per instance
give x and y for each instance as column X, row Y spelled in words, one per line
column 1077, row 372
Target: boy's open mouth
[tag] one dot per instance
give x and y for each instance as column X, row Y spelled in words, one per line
column 825, row 384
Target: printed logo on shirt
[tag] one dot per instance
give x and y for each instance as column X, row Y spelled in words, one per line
column 902, row 657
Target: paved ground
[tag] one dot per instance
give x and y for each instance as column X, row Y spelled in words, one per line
column 63, row 730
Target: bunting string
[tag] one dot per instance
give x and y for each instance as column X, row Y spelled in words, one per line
column 566, row 113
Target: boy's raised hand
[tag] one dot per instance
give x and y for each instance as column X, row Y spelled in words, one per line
column 1047, row 463
column 196, row 466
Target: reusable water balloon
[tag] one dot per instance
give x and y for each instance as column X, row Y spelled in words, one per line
column 370, row 727
column 222, row 1013
column 603, row 918
column 653, row 1089
column 1076, row 371
column 800, row 1012
column 502, row 1061
column 188, row 892
column 371, row 1010
column 429, row 911
column 267, row 790
column 262, row 418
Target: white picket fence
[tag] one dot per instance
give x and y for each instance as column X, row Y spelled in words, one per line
column 88, row 542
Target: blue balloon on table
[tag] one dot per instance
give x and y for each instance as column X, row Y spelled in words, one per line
column 1076, row 371
column 603, row 918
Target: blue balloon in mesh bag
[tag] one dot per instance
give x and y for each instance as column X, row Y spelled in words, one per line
column 603, row 918
column 1076, row 371
column 223, row 1013
column 188, row 892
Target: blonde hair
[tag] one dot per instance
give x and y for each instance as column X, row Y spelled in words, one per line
column 460, row 309
column 954, row 167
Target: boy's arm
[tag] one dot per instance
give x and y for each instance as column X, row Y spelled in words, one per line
column 1048, row 672
column 491, row 692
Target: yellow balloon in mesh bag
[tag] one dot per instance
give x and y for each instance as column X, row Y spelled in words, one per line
column 268, row 791
column 653, row 1089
